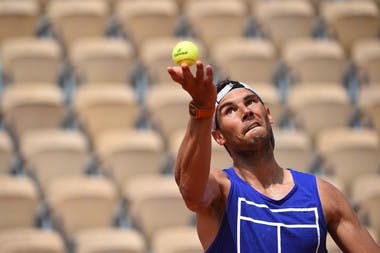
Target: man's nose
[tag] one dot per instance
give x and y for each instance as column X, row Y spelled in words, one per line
column 247, row 114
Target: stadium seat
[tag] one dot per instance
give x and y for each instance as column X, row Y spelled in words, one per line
column 6, row 153
column 293, row 149
column 168, row 108
column 31, row 60
column 245, row 59
column 283, row 21
column 18, row 19
column 80, row 203
column 272, row 99
column 31, row 240
column 154, row 203
column 156, row 55
column 30, row 106
column 314, row 60
column 177, row 240
column 72, row 20
column 366, row 197
column 213, row 20
column 318, row 107
column 102, row 60
column 145, row 20
column 333, row 180
column 105, row 107
column 349, row 153
column 220, row 159
column 125, row 154
column 349, row 21
column 18, row 202
column 369, row 105
column 54, row 153
column 109, row 240
column 366, row 57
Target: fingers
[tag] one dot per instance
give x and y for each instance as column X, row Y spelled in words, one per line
column 200, row 72
column 176, row 74
column 209, row 74
column 182, row 74
column 187, row 75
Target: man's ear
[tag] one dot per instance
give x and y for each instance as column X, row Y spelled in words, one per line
column 269, row 115
column 218, row 137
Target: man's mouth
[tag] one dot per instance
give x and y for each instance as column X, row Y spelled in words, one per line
column 250, row 127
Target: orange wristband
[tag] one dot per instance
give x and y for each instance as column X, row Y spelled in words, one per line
column 198, row 113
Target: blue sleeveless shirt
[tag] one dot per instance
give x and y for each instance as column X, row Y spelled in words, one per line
column 255, row 223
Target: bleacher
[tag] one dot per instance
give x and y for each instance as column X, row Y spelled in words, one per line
column 91, row 121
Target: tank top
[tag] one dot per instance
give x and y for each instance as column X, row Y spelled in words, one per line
column 255, row 223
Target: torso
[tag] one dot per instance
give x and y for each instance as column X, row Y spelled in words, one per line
column 210, row 223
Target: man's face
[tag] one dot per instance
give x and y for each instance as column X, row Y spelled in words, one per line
column 244, row 122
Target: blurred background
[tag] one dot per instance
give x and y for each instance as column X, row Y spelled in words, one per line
column 91, row 122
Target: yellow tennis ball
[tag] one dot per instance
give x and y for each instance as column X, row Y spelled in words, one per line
column 185, row 52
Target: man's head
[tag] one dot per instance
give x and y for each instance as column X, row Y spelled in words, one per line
column 241, row 116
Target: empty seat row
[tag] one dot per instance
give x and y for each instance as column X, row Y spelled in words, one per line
column 114, row 60
column 280, row 21
column 99, row 108
column 34, row 240
column 82, row 208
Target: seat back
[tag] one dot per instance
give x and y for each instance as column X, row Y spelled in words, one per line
column 31, row 60
column 18, row 202
column 168, row 108
column 102, row 60
column 213, row 20
column 319, row 107
column 349, row 21
column 101, row 108
column 6, row 153
column 31, row 240
column 107, row 240
column 125, row 154
column 312, row 60
column 177, row 240
column 293, row 149
column 145, row 20
column 32, row 106
column 72, row 20
column 350, row 153
column 238, row 57
column 80, row 203
column 366, row 56
column 154, row 203
column 54, row 153
column 18, row 19
column 283, row 21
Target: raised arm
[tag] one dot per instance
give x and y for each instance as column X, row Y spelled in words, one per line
column 342, row 223
column 192, row 170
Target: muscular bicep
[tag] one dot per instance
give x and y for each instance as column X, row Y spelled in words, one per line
column 216, row 194
column 343, row 225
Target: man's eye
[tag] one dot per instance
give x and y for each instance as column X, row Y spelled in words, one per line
column 251, row 101
column 229, row 110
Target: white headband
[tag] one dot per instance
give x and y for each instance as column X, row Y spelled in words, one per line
column 221, row 94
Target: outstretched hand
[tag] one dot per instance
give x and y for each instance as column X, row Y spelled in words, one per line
column 200, row 87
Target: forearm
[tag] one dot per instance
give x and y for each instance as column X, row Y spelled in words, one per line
column 193, row 162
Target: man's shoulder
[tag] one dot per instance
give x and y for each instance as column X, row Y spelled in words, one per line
column 222, row 179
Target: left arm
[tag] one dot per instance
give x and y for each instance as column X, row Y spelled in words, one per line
column 342, row 222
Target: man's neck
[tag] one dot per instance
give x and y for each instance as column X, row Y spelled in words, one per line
column 259, row 168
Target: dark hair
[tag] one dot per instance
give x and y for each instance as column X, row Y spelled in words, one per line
column 221, row 84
